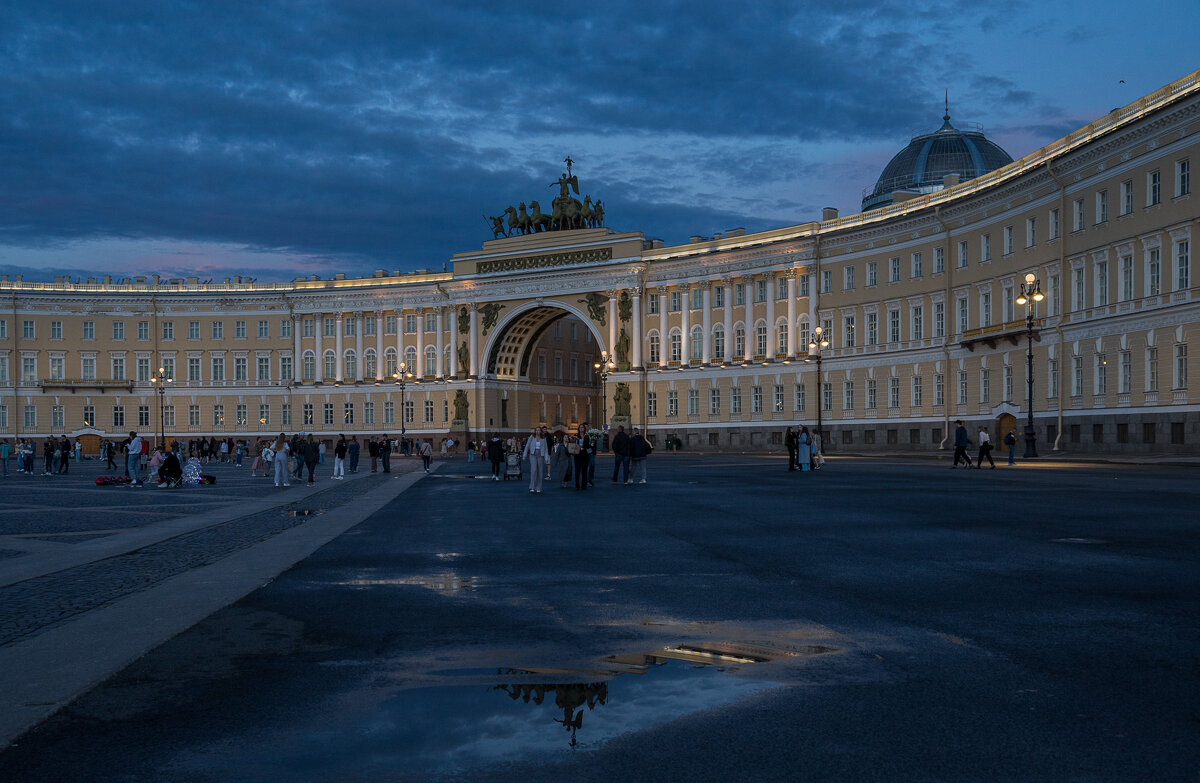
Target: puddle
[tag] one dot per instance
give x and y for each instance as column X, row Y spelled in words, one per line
column 1078, row 541
column 442, row 583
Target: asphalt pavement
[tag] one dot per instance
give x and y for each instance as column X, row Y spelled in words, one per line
column 880, row 619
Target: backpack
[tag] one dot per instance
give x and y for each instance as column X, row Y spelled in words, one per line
column 1009, row 439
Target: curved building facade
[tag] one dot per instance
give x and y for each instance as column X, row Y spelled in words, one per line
column 918, row 299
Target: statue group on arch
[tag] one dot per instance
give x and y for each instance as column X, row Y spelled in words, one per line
column 567, row 212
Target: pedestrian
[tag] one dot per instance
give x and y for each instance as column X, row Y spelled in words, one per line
column 470, row 451
column 297, row 446
column 385, row 453
column 560, row 462
column 133, row 460
column 110, row 451
column 48, row 449
column 373, row 453
column 789, row 441
column 280, row 460
column 64, row 459
column 5, row 453
column 312, row 457
column 224, row 447
column 985, row 449
column 580, row 446
column 353, row 450
column 427, row 453
column 620, row 450
column 339, row 458
column 639, row 450
column 1010, row 440
column 961, row 441
column 537, row 450
column 238, row 450
column 803, row 449
column 495, row 453
column 321, row 453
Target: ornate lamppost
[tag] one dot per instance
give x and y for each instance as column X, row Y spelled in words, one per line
column 1031, row 291
column 604, row 368
column 160, row 381
column 401, row 377
column 819, row 342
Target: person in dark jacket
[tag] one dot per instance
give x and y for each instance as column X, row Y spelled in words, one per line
column 495, row 452
column 961, row 441
column 639, row 450
column 312, row 456
column 789, row 440
column 620, row 450
column 353, row 451
column 584, row 449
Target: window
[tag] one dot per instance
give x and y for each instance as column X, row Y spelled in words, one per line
column 1076, row 376
column 718, row 296
column 939, row 390
column 962, row 254
column 1100, row 387
column 350, row 366
column 1182, row 265
column 285, row 328
column 1153, row 188
column 696, row 295
column 1030, row 232
column 739, row 294
column 760, row 340
column 56, row 367
column 718, row 339
column 872, row 329
column 848, row 336
column 651, row 307
column 739, row 342
column 827, row 396
column 805, row 336
column 653, row 348
column 329, row 328
column 350, row 326
column 1180, row 377
column 143, row 370
column 939, row 319
column 264, row 414
column 916, row 391
column 1183, row 182
column 263, row 368
column 915, row 264
column 651, row 405
column 308, row 366
column 264, row 329
column 894, row 270
column 872, row 393
column 781, row 338
column 693, row 401
column 56, row 330
column 308, row 327
column 118, row 368
column 89, row 330
column 168, row 330
column 674, row 304
column 193, row 365
column 962, row 387
column 696, row 344
column 985, row 309
column 1077, row 212
column 985, row 248
column 329, row 371
column 348, row 413
column 143, row 330
column 30, row 413
column 893, row 326
column 756, row 399
column 1054, row 224
column 240, row 372
column 1125, row 372
column 87, row 366
column 848, row 395
column 240, row 414
column 89, row 416
column 1052, row 378
column 1101, row 206
column 848, row 278
column 676, row 346
column 800, row 401
column 804, row 285
column 1127, row 197
column 826, row 281
column 1008, row 240
column 1008, row 305
column 918, row 322
column 1055, row 295
column 118, row 330
column 714, row 402
column 1077, row 287
column 735, row 400
column 893, row 393
column 218, row 368
column 672, row 403
column 218, row 330
column 872, row 274
column 1101, row 283
column 194, row 331
column 1153, row 272
column 1126, row 278
column 760, row 290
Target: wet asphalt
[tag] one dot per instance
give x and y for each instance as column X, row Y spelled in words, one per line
column 877, row 620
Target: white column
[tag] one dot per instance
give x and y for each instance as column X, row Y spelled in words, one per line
column 637, row 336
column 453, row 371
column 379, row 363
column 772, row 340
column 420, row 373
column 664, row 342
column 727, row 282
column 400, row 338
column 473, row 345
column 612, row 324
column 358, row 346
column 337, row 343
column 791, row 314
column 296, row 352
column 748, row 318
column 440, row 370
column 685, row 324
column 706, row 294
column 318, row 332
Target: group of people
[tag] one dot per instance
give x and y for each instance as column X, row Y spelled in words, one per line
column 56, row 453
column 569, row 457
column 962, row 441
column 803, row 448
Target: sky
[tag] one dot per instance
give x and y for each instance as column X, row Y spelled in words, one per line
column 275, row 139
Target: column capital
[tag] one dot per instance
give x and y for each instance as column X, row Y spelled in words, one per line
column 613, row 293
column 636, row 291
column 378, row 313
column 704, row 285
column 685, row 286
column 662, row 290
column 357, row 313
column 790, row 273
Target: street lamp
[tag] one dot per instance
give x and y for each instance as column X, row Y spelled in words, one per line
column 160, row 381
column 1031, row 291
column 604, row 368
column 815, row 346
column 401, row 377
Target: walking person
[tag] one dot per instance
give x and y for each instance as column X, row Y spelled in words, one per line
column 578, row 446
column 280, row 460
column 1010, row 440
column 312, row 457
column 985, row 449
column 64, row 458
column 373, row 453
column 427, row 454
column 804, row 449
column 495, row 452
column 961, row 441
column 537, row 450
column 470, row 451
column 639, row 450
column 110, row 449
column 352, row 450
column 789, row 441
column 5, row 453
column 339, row 458
column 620, row 450
column 133, row 460
column 385, row 453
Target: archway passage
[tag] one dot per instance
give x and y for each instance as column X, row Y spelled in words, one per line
column 540, row 371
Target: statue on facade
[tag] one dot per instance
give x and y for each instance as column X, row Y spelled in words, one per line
column 498, row 229
column 490, row 312
column 623, row 350
column 595, row 305
column 461, row 405
column 567, row 211
column 464, row 358
column 540, row 221
column 625, row 306
column 464, row 321
column 621, row 399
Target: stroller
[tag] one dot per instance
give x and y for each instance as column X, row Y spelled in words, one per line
column 512, row 466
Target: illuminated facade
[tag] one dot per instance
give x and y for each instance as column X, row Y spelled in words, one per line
column 918, row 298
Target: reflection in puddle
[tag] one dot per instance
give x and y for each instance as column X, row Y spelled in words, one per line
column 442, row 583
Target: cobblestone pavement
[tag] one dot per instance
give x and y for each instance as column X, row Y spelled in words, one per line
column 34, row 605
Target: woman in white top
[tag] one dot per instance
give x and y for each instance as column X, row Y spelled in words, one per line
column 985, row 449
column 280, row 460
column 537, row 450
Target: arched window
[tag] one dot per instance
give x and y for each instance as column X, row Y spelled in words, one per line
column 654, row 348
column 446, row 360
column 760, row 339
column 369, row 364
column 805, row 336
column 676, row 345
column 696, row 343
column 350, row 366
column 430, row 360
column 410, row 360
column 781, row 340
column 718, row 345
column 308, row 366
column 739, row 342
column 389, row 362
column 330, row 365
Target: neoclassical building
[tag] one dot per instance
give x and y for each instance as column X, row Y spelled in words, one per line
column 917, row 296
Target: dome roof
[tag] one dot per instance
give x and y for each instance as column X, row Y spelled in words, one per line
column 929, row 157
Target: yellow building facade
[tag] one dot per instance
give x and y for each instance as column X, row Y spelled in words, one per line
column 918, row 300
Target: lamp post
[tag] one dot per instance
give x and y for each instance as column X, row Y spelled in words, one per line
column 160, row 381
column 401, row 377
column 1031, row 291
column 604, row 368
column 819, row 342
